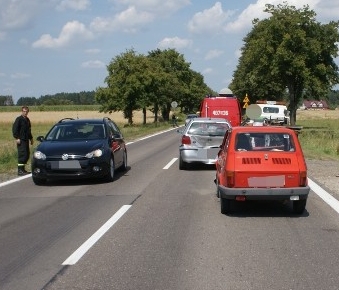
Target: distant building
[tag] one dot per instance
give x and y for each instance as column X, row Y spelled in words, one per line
column 314, row 105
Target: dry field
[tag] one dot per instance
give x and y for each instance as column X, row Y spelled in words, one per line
column 317, row 114
column 51, row 117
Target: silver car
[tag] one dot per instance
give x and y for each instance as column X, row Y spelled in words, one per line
column 189, row 117
column 200, row 141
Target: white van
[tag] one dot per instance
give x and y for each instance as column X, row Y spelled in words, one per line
column 274, row 114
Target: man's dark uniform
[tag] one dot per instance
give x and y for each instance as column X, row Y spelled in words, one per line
column 22, row 130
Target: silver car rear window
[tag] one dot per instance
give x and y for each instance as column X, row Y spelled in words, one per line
column 208, row 129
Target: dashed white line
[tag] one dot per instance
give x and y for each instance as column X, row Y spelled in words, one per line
column 169, row 164
column 75, row 257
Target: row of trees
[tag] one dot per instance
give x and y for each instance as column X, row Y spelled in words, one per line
column 80, row 98
column 137, row 82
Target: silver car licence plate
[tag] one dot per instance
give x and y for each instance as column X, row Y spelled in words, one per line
column 212, row 153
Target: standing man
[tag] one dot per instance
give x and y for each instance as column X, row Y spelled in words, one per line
column 174, row 120
column 22, row 133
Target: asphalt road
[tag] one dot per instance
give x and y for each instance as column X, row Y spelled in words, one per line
column 156, row 227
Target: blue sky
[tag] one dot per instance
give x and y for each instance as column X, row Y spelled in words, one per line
column 53, row 46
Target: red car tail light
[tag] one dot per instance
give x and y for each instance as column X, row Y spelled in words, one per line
column 303, row 178
column 185, row 140
column 240, row 198
column 230, row 178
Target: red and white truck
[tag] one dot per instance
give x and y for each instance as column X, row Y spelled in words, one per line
column 225, row 105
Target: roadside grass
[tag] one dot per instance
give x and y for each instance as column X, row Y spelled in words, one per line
column 320, row 138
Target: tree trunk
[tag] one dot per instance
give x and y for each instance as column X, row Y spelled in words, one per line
column 295, row 94
column 144, row 115
column 166, row 109
column 155, row 111
column 128, row 114
column 293, row 110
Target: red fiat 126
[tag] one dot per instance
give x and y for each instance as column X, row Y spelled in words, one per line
column 261, row 163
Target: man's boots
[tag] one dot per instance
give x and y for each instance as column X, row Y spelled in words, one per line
column 21, row 170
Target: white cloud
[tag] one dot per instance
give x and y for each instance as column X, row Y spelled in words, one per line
column 71, row 32
column 174, row 42
column 18, row 14
column 214, row 53
column 244, row 20
column 92, row 51
column 93, row 64
column 326, row 9
column 128, row 20
column 155, row 6
column 20, row 76
column 74, row 5
column 207, row 71
column 210, row 20
column 238, row 53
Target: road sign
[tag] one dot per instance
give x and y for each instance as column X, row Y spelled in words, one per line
column 174, row 104
column 246, row 99
column 245, row 105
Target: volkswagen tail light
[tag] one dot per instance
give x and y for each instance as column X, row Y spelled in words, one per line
column 185, row 140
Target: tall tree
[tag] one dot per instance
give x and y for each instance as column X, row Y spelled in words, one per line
column 290, row 53
column 177, row 75
column 127, row 83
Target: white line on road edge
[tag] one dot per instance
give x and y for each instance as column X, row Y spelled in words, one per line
column 170, row 163
column 15, row 180
column 329, row 199
column 149, row 136
column 75, row 257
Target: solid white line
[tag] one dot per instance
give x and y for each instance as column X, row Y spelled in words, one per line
column 15, row 179
column 329, row 199
column 169, row 164
column 149, row 136
column 75, row 257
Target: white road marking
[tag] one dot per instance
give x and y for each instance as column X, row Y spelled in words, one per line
column 75, row 257
column 149, row 136
column 169, row 164
column 15, row 179
column 329, row 199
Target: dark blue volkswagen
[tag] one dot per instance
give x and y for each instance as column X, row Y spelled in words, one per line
column 79, row 148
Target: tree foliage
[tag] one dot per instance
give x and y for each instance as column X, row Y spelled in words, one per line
column 6, row 101
column 137, row 81
column 80, row 98
column 288, row 55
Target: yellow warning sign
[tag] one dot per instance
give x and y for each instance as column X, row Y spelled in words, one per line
column 245, row 105
column 246, row 99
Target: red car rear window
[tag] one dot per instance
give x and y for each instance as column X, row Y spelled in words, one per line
column 264, row 141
